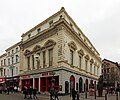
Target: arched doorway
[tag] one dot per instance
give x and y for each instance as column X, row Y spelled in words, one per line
column 72, row 82
column 80, row 84
column 86, row 84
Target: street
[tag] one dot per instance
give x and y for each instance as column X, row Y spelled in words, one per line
column 19, row 96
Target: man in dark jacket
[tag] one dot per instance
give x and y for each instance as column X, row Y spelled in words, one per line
column 34, row 93
column 30, row 92
column 73, row 94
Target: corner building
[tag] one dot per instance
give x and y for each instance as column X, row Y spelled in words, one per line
column 56, row 49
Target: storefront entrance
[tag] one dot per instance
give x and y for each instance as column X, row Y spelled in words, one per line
column 27, row 82
column 45, row 83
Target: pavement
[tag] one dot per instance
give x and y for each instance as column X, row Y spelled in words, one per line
column 19, row 96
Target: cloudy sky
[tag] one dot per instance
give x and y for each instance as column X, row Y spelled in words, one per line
column 98, row 19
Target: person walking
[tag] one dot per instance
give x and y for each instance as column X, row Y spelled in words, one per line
column 77, row 93
column 30, row 92
column 56, row 94
column 73, row 94
column 25, row 92
column 51, row 93
column 34, row 93
column 8, row 90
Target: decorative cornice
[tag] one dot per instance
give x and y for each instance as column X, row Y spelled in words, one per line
column 72, row 45
column 92, row 61
column 87, row 57
column 81, row 52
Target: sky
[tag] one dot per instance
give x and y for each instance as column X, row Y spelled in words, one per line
column 99, row 20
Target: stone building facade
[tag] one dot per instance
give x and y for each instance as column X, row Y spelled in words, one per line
column 56, row 53
column 110, row 72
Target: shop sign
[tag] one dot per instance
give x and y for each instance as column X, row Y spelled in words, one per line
column 48, row 73
column 26, row 76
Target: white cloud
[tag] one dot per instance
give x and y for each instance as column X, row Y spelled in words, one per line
column 98, row 19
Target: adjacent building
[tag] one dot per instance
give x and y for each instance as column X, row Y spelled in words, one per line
column 56, row 53
column 110, row 72
column 3, row 67
column 12, row 65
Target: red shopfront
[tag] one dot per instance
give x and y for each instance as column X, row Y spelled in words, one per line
column 26, row 81
column 2, row 80
column 46, row 82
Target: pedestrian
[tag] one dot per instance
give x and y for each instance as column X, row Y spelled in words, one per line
column 34, row 93
column 25, row 92
column 56, row 94
column 51, row 93
column 8, row 90
column 30, row 90
column 77, row 93
column 73, row 94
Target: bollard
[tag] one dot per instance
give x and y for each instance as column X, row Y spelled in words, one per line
column 116, row 95
column 86, row 94
column 105, row 96
column 95, row 94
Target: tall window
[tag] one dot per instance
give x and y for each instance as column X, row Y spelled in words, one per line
column 28, row 62
column 44, row 58
column 12, row 60
column 86, row 63
column 12, row 51
column 90, row 67
column 97, row 71
column 4, row 72
column 38, row 61
column 71, row 57
column 50, row 57
column 16, row 49
column 12, row 71
column 8, row 61
column 8, row 53
column 16, row 58
column 1, row 62
column 16, row 70
column 4, row 62
column 1, row 72
column 94, row 69
column 33, row 61
column 80, row 61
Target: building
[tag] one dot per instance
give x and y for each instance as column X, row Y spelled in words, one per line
column 13, row 64
column 56, row 53
column 3, row 68
column 110, row 72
